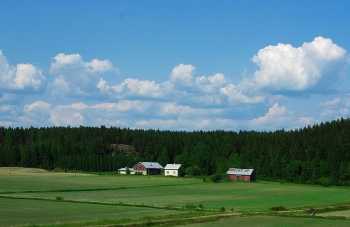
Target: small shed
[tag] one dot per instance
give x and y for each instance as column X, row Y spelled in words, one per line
column 126, row 170
column 235, row 174
column 123, row 171
column 148, row 168
column 172, row 170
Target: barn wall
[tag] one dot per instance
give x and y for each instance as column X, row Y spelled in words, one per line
column 140, row 169
column 171, row 172
column 239, row 178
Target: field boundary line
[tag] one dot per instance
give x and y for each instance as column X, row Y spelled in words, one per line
column 176, row 221
column 94, row 189
column 110, row 204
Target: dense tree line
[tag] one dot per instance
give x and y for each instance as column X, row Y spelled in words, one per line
column 316, row 154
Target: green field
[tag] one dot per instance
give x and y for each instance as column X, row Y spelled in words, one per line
column 273, row 221
column 32, row 196
column 19, row 212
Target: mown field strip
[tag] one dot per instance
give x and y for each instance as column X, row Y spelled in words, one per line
column 109, row 203
column 176, row 221
column 95, row 189
column 23, row 212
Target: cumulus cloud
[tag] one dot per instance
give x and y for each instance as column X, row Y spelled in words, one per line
column 336, row 107
column 274, row 113
column 40, row 106
column 211, row 83
column 73, row 75
column 61, row 116
column 82, row 92
column 20, row 77
column 236, row 95
column 188, row 124
column 99, row 66
column 182, row 74
column 285, row 67
column 135, row 87
column 277, row 117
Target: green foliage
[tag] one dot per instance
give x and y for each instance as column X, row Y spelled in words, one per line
column 217, row 178
column 278, row 208
column 325, row 181
column 193, row 171
column 318, row 154
column 59, row 198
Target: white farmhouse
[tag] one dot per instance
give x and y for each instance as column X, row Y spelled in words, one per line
column 172, row 170
column 126, row 170
column 123, row 171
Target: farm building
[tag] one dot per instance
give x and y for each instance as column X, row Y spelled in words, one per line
column 123, row 171
column 126, row 170
column 148, row 168
column 172, row 170
column 235, row 174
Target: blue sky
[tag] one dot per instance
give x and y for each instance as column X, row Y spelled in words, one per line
column 180, row 65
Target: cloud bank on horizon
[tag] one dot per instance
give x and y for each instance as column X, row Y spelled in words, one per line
column 290, row 87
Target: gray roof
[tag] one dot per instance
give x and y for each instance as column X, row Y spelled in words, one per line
column 152, row 165
column 241, row 172
column 173, row 166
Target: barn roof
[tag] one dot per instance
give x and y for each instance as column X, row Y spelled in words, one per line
column 152, row 165
column 242, row 172
column 173, row 166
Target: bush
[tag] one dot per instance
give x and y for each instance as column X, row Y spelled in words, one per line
column 190, row 206
column 59, row 198
column 222, row 209
column 216, row 178
column 193, row 171
column 279, row 208
column 324, row 181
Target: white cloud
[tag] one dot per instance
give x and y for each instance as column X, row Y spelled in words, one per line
column 40, row 106
column 278, row 117
column 236, row 95
column 182, row 73
column 62, row 60
column 36, row 114
column 61, row 116
column 20, row 77
column 121, row 106
column 187, row 124
column 211, row 83
column 143, row 87
column 184, row 101
column 173, row 108
column 135, row 87
column 75, row 76
column 274, row 113
column 99, row 66
column 284, row 67
column 336, row 107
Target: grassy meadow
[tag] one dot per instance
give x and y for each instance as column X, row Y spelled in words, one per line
column 273, row 221
column 33, row 196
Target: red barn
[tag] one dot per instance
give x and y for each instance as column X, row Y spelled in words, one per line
column 148, row 168
column 235, row 174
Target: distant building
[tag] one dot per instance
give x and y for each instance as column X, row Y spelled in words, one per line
column 126, row 170
column 123, row 171
column 235, row 174
column 148, row 168
column 172, row 170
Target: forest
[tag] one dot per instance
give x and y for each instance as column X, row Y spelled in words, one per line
column 318, row 154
